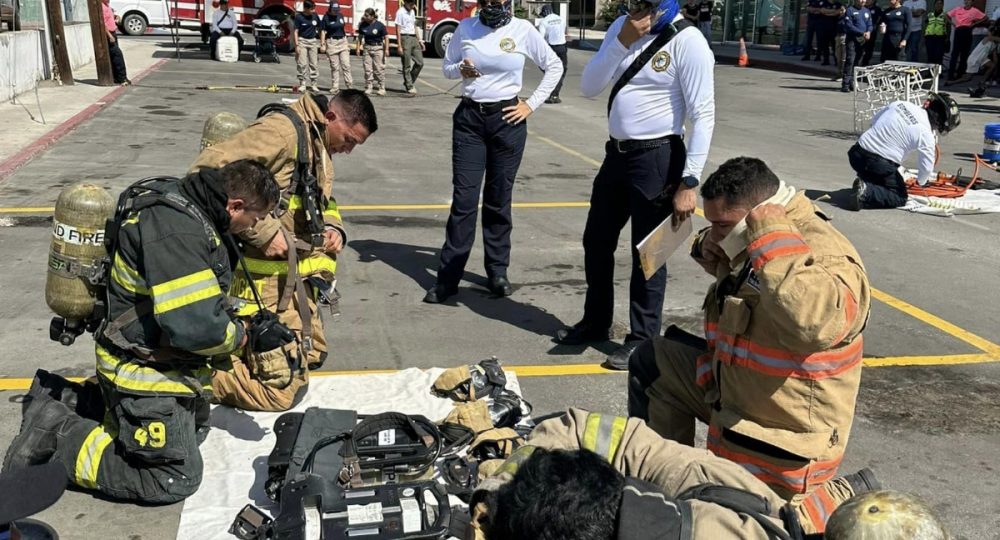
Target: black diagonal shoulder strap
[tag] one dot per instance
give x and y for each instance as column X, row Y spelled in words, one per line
column 661, row 39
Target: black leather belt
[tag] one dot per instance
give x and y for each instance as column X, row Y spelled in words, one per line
column 491, row 107
column 622, row 147
column 409, row 35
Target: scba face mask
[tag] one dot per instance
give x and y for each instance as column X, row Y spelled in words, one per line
column 663, row 14
column 495, row 15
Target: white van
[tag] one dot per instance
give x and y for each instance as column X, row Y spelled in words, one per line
column 137, row 15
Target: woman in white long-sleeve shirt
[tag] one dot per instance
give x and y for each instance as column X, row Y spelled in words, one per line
column 488, row 134
column 648, row 173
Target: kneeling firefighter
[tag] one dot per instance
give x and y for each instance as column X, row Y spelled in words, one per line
column 291, row 254
column 165, row 317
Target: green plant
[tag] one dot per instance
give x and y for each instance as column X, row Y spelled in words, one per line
column 610, row 10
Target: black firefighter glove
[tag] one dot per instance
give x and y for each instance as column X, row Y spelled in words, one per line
column 267, row 333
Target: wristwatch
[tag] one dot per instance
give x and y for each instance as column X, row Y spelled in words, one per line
column 690, row 181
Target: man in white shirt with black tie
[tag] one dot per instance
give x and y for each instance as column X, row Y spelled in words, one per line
column 648, row 172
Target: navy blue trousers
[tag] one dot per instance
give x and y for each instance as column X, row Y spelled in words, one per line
column 636, row 185
column 482, row 145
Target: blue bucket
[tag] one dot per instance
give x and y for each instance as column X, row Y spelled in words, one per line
column 991, row 142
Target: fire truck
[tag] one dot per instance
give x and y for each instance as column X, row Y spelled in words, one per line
column 439, row 18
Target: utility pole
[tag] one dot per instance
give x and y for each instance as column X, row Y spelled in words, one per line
column 102, row 59
column 54, row 9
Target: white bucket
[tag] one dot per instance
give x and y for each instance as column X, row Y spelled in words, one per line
column 228, row 49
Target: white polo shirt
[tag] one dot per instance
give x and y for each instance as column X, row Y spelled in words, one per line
column 678, row 83
column 406, row 22
column 553, row 28
column 499, row 56
column 898, row 129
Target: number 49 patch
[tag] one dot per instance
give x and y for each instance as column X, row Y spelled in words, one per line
column 154, row 435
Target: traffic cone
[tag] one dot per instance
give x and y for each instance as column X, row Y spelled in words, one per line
column 744, row 60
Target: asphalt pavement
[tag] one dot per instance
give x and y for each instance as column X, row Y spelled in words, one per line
column 927, row 418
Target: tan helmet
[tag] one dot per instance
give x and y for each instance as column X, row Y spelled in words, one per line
column 885, row 515
column 219, row 127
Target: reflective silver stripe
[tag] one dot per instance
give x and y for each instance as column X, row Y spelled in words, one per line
column 88, row 460
column 774, row 244
column 604, row 434
column 209, row 281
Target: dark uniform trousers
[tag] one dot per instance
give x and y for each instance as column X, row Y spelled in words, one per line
column 869, row 46
column 852, row 57
column 561, row 52
column 144, row 449
column 810, row 37
column 637, row 185
column 890, row 45
column 118, row 70
column 960, row 50
column 482, row 143
column 885, row 187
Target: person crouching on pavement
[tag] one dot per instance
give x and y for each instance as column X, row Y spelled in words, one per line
column 293, row 274
column 224, row 23
column 134, row 434
column 783, row 326
column 898, row 129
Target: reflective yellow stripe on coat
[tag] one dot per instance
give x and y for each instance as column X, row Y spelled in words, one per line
column 133, row 377
column 184, row 291
column 603, row 433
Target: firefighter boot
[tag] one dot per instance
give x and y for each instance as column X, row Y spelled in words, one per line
column 43, row 420
column 816, row 508
column 83, row 398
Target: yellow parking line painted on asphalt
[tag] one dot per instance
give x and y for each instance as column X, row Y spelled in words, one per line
column 570, row 151
column 568, row 370
column 434, row 86
column 28, row 210
column 964, row 335
column 948, row 360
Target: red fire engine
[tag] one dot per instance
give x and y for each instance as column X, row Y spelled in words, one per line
column 439, row 17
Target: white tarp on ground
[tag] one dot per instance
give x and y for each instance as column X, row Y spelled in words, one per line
column 981, row 201
column 235, row 452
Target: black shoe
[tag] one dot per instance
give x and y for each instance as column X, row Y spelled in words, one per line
column 550, row 99
column 36, row 443
column 845, row 89
column 581, row 333
column 806, row 58
column 556, row 99
column 500, row 286
column 825, row 63
column 977, row 92
column 439, row 293
column 618, row 360
column 856, row 200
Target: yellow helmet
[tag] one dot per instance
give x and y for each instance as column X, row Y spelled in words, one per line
column 885, row 515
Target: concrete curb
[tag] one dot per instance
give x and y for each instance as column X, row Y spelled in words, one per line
column 29, row 152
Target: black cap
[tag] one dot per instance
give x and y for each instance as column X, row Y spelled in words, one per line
column 308, row 4
column 37, row 487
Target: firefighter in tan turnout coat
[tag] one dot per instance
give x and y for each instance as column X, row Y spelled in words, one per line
column 290, row 254
column 777, row 376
